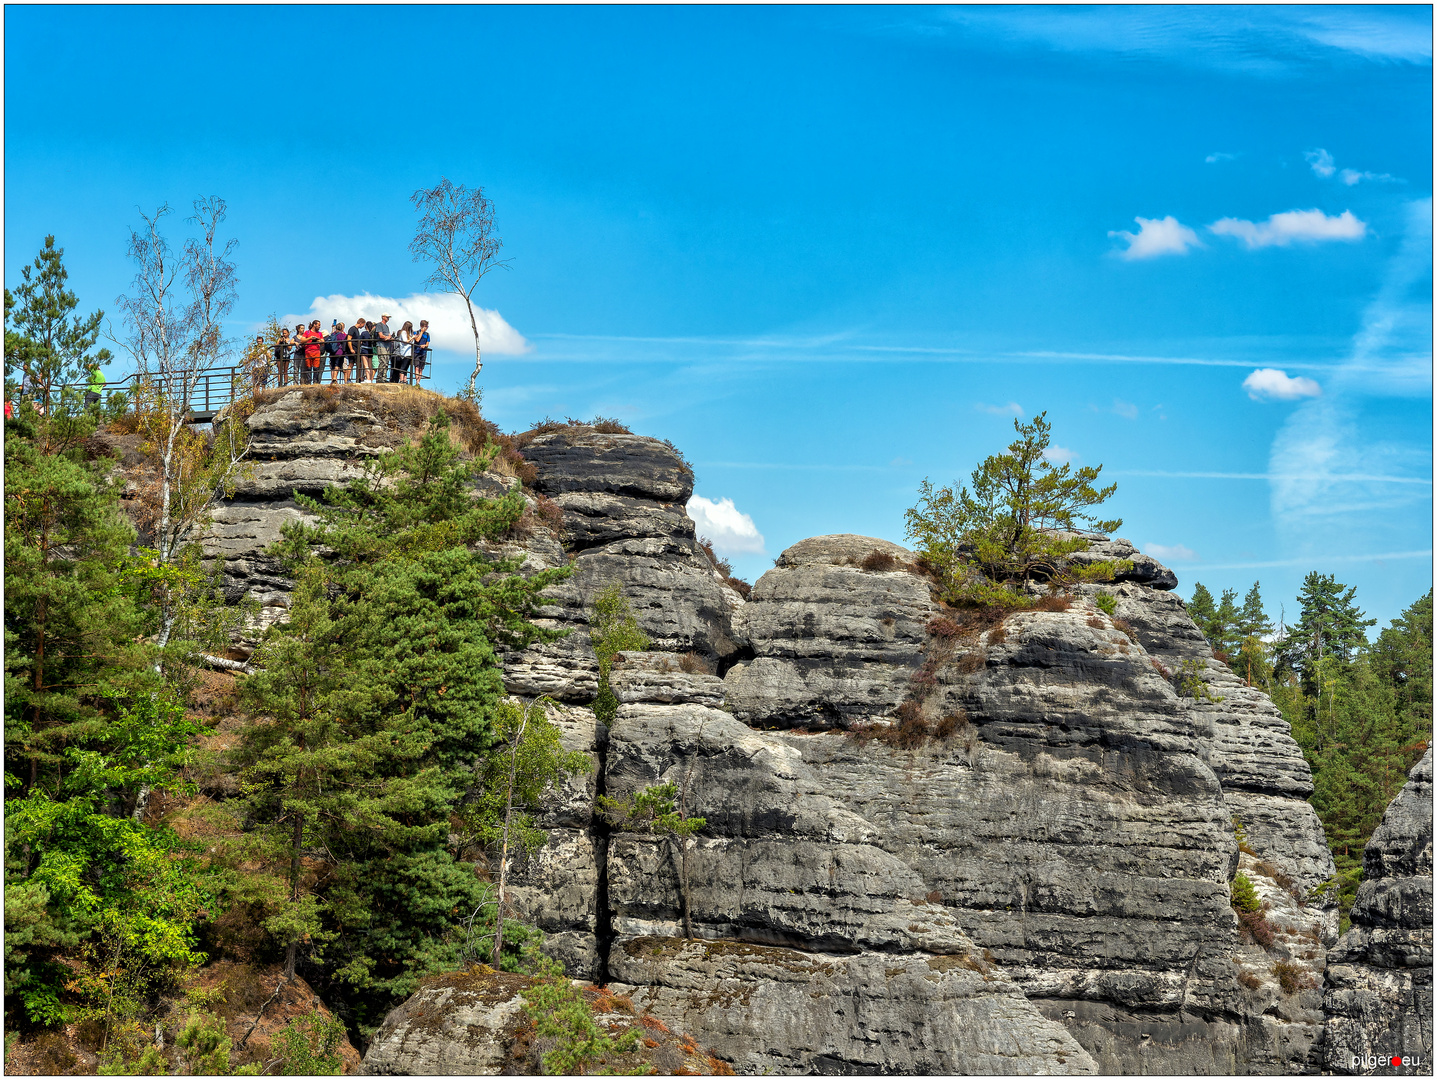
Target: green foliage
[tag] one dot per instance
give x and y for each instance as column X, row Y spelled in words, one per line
column 42, row 338
column 612, row 629
column 1107, row 603
column 378, row 715
column 1361, row 712
column 1010, row 528
column 308, row 1046
column 204, row 1045
column 1244, row 895
column 559, row 1012
column 528, row 763
column 1192, row 684
column 651, row 810
column 1330, row 626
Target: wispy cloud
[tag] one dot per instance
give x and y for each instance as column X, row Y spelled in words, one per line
column 1156, row 236
column 1060, row 455
column 1325, row 166
column 1352, row 176
column 731, row 531
column 1321, row 161
column 1268, row 477
column 1171, row 553
column 1309, row 561
column 1292, row 226
column 1325, row 451
column 447, row 314
column 1270, row 384
column 1258, row 40
column 1218, row 156
column 1010, row 409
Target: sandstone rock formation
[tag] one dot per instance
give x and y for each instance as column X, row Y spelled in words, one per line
column 932, row 842
column 1379, row 978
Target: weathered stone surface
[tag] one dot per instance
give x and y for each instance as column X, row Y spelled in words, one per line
column 1145, row 570
column 833, row 644
column 558, row 888
column 1379, row 976
column 1242, row 736
column 659, row 678
column 781, row 1010
column 461, row 1026
column 583, row 460
column 592, row 518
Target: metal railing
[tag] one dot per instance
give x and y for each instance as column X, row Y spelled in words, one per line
column 213, row 389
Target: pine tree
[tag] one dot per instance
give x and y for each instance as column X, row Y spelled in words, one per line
column 70, row 623
column 1331, row 625
column 47, row 343
column 1253, row 660
column 395, row 640
column 1225, row 634
column 1009, row 528
column 1202, row 609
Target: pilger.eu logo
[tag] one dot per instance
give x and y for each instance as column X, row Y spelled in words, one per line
column 1395, row 1061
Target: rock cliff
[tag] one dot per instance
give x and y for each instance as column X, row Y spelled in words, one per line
column 1379, row 976
column 932, row 842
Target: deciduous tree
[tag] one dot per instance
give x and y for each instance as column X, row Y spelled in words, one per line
column 456, row 235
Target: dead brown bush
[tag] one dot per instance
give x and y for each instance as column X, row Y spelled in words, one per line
column 693, row 664
column 877, row 561
column 944, row 627
column 1125, row 628
column 997, row 635
column 1054, row 602
column 1095, row 622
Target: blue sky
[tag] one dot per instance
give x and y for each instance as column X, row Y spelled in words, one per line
column 832, row 251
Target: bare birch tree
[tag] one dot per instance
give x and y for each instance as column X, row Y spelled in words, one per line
column 456, row 234
column 175, row 319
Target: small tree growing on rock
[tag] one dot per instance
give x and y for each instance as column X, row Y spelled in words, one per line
column 653, row 810
column 612, row 629
column 1012, row 527
column 528, row 761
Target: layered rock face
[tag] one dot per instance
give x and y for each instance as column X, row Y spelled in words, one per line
column 1379, row 978
column 1070, row 825
column 930, row 845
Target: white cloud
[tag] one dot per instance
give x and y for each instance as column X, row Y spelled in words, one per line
column 1321, row 162
column 1269, row 383
column 447, row 314
column 1060, row 455
column 1219, row 155
column 732, row 532
column 1126, row 409
column 1352, row 176
column 1010, row 409
column 1172, row 552
column 1157, row 236
column 1280, row 230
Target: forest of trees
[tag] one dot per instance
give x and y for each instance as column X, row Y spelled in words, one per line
column 1360, row 708
column 373, row 762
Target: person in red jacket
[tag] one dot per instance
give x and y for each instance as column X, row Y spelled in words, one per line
column 313, row 339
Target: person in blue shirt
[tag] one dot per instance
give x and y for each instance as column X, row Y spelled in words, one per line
column 421, row 350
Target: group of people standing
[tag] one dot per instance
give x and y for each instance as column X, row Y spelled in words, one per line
column 359, row 353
